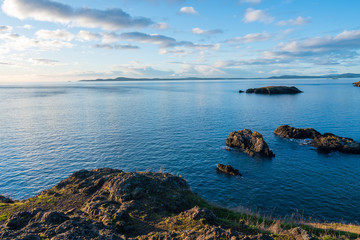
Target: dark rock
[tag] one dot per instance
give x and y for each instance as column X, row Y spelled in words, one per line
column 251, row 142
column 4, row 199
column 328, row 142
column 325, row 143
column 296, row 133
column 227, row 169
column 274, row 90
column 18, row 220
column 357, row 84
column 241, row 91
column 54, row 217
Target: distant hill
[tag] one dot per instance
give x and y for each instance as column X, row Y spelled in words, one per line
column 344, row 75
column 154, row 79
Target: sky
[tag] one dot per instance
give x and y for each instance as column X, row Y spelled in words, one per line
column 63, row 40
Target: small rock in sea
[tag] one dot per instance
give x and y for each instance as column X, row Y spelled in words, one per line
column 325, row 143
column 4, row 199
column 241, row 91
column 357, row 84
column 227, row 169
column 274, row 90
column 251, row 142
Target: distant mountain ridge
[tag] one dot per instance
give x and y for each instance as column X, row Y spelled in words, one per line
column 344, row 75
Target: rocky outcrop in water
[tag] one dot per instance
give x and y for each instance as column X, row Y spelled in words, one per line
column 274, row 90
column 4, row 199
column 357, row 84
column 325, row 143
column 297, row 133
column 251, row 142
column 227, row 169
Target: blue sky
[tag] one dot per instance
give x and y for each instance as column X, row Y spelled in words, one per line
column 62, row 40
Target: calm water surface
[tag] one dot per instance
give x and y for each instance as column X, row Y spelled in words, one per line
column 48, row 131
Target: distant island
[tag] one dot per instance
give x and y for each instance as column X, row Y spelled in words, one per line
column 332, row 76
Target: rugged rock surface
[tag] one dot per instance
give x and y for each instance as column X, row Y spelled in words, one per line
column 296, row 133
column 227, row 169
column 325, row 143
column 274, row 90
column 329, row 142
column 112, row 204
column 357, row 84
column 251, row 142
column 300, row 234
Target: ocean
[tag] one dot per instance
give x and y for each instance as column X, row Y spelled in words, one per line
column 50, row 130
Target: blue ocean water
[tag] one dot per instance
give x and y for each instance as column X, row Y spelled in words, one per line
column 50, row 130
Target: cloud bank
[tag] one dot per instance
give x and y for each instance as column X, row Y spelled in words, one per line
column 50, row 11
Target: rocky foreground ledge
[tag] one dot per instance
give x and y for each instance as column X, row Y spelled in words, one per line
column 112, row 204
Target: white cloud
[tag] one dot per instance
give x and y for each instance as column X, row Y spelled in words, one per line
column 60, row 34
column 161, row 25
column 116, row 47
column 50, row 11
column 251, row 1
column 251, row 37
column 253, row 15
column 188, row 10
column 299, row 21
column 200, row 31
column 44, row 62
column 87, row 36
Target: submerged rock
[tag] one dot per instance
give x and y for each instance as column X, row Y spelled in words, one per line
column 296, row 133
column 251, row 142
column 274, row 90
column 325, row 143
column 227, row 169
column 357, row 84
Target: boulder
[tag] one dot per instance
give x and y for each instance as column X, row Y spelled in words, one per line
column 274, row 90
column 227, row 169
column 357, row 84
column 300, row 234
column 325, row 143
column 250, row 142
column 297, row 133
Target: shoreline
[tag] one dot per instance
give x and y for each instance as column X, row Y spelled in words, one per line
column 159, row 200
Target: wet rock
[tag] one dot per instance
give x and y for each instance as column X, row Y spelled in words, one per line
column 325, row 143
column 227, row 169
column 329, row 142
column 300, row 234
column 297, row 133
column 241, row 91
column 251, row 142
column 4, row 199
column 274, row 90
column 357, row 84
